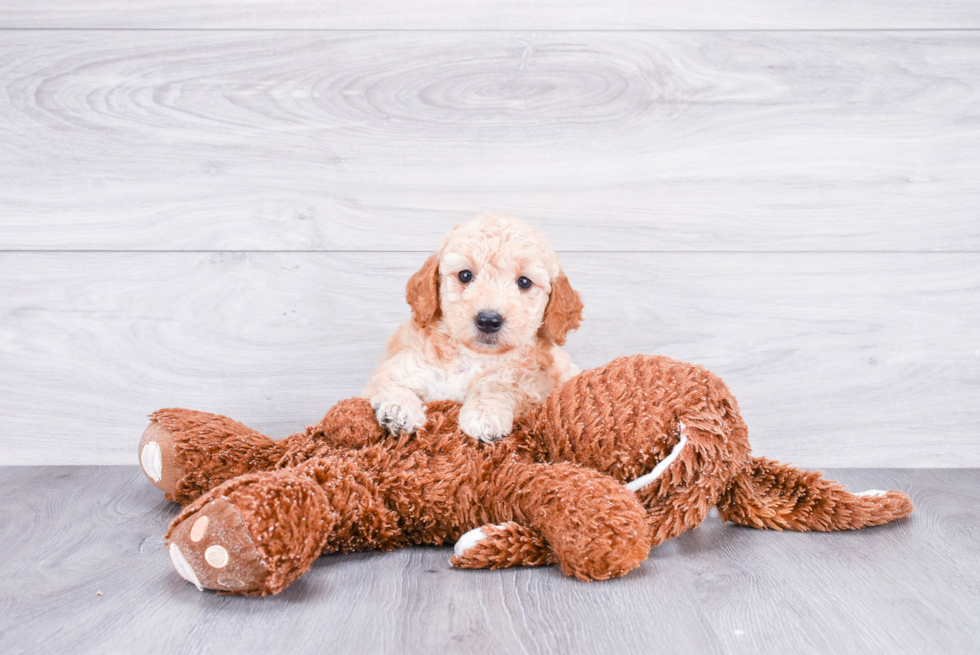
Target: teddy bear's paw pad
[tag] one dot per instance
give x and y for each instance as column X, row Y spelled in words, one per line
column 157, row 457
column 502, row 545
column 152, row 461
column 213, row 549
column 183, row 568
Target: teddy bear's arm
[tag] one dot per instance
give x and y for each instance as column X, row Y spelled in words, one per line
column 349, row 424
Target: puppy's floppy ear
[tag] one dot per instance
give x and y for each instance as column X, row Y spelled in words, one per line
column 564, row 311
column 422, row 292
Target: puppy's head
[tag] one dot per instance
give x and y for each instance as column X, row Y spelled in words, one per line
column 494, row 285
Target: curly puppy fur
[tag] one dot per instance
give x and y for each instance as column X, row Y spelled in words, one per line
column 489, row 312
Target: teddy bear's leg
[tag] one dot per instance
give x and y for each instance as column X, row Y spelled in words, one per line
column 257, row 533
column 593, row 526
column 676, row 512
column 667, row 430
column 252, row 535
column 500, row 546
column 186, row 453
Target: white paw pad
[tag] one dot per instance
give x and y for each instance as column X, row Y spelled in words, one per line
column 468, row 540
column 199, row 529
column 183, row 568
column 152, row 461
column 872, row 492
column 216, row 556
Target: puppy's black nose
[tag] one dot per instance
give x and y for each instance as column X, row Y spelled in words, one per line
column 489, row 322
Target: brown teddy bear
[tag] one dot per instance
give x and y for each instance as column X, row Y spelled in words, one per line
column 617, row 460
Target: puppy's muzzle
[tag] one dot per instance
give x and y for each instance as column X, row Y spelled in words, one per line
column 489, row 322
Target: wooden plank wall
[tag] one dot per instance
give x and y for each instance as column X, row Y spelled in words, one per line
column 216, row 205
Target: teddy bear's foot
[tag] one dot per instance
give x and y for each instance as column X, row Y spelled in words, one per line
column 186, row 453
column 157, row 458
column 501, row 546
column 253, row 535
column 213, row 549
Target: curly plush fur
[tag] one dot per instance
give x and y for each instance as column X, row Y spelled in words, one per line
column 616, row 460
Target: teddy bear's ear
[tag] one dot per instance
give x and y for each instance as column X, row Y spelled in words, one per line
column 422, row 292
column 564, row 311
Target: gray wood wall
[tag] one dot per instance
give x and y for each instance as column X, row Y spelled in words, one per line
column 216, row 205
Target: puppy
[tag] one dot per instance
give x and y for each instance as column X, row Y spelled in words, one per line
column 489, row 312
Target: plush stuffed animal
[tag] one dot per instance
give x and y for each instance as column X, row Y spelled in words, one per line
column 618, row 459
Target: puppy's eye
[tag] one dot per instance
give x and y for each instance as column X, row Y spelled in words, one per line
column 524, row 283
column 465, row 277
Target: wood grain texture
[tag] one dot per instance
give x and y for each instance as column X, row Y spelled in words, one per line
column 68, row 533
column 498, row 15
column 836, row 359
column 722, row 141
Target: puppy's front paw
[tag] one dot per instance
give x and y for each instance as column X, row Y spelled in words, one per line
column 402, row 414
column 484, row 422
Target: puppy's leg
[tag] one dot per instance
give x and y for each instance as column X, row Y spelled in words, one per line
column 500, row 394
column 487, row 416
column 398, row 409
column 396, row 390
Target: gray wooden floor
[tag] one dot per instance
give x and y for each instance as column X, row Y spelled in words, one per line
column 83, row 570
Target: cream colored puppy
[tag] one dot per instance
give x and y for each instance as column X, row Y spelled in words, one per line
column 489, row 312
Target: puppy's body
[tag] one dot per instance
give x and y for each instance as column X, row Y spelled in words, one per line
column 489, row 312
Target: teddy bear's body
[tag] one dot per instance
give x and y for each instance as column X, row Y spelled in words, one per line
column 618, row 459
